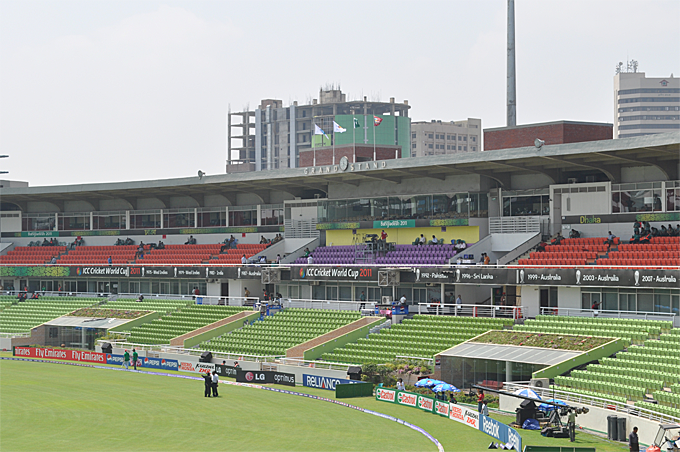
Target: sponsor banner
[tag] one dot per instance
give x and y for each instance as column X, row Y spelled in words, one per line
column 37, row 234
column 153, row 363
column 441, row 408
column 394, row 224
column 189, row 366
column 426, row 403
column 501, row 432
column 84, row 356
column 386, row 395
column 319, row 382
column 341, row 273
column 407, row 398
column 225, row 371
column 264, row 377
column 464, row 415
column 427, row 275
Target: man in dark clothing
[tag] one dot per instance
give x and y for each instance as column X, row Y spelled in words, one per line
column 633, row 442
column 208, row 384
column 571, row 423
column 362, row 299
column 135, row 356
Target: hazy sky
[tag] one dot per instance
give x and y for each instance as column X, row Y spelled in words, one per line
column 100, row 91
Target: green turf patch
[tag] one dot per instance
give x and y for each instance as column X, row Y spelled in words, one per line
column 555, row 341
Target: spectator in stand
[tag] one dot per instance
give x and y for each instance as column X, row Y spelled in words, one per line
column 141, row 298
column 307, row 252
column 574, row 234
column 53, row 260
column 262, row 260
column 434, row 241
column 109, row 261
column 422, row 240
column 610, row 239
column 541, row 247
column 244, row 260
column 310, row 260
column 460, row 245
column 225, row 245
column 677, row 230
column 161, row 245
column 79, row 241
column 647, row 238
column 232, row 242
column 190, row 241
column 636, row 237
column 263, row 241
column 265, row 296
column 383, row 236
column 480, row 400
column 647, row 226
column 45, row 242
column 663, row 232
column 278, row 259
column 595, row 306
column 671, row 232
column 557, row 240
column 487, row 261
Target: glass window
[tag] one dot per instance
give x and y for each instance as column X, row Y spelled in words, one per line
column 610, row 300
column 645, row 301
column 672, row 199
column 662, row 300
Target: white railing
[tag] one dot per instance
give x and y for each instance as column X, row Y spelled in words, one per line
column 471, row 310
column 611, row 314
column 429, row 361
column 336, row 305
column 10, row 335
column 227, row 356
column 566, row 396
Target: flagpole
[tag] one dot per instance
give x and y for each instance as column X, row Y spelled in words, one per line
column 354, row 138
column 333, row 138
column 374, row 159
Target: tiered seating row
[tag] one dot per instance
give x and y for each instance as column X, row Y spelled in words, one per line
column 161, row 330
column 31, row 254
column 20, row 318
column 149, row 304
column 423, row 336
column 275, row 334
column 669, row 411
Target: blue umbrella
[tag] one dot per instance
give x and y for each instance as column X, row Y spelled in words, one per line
column 545, row 407
column 427, row 383
column 527, row 393
column 442, row 387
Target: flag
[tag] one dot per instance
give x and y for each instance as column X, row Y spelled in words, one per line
column 337, row 128
column 356, row 123
column 376, row 121
column 318, row 130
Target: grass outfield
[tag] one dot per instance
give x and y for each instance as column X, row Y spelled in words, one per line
column 59, row 407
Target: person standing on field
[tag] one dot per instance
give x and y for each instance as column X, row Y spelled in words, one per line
column 135, row 356
column 215, row 381
column 208, row 384
column 126, row 359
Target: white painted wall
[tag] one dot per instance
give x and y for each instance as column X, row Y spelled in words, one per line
column 502, row 243
column 569, row 297
column 531, row 300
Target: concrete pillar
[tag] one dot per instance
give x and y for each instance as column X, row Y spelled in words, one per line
column 127, row 219
column 195, row 217
column 162, row 220
column 56, row 221
column 259, row 214
column 91, row 221
column 508, row 371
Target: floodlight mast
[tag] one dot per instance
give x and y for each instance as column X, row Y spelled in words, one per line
column 511, row 89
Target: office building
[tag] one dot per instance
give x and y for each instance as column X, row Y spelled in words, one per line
column 643, row 106
column 439, row 137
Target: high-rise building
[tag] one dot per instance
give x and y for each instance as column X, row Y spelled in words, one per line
column 643, row 106
column 274, row 136
column 439, row 137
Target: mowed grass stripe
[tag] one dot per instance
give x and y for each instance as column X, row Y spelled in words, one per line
column 56, row 407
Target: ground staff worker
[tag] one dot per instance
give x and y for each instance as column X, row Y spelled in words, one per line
column 633, row 441
column 126, row 359
column 208, row 384
column 135, row 356
column 571, row 423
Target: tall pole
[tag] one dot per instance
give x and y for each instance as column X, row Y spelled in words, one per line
column 512, row 89
column 374, row 155
column 1, row 187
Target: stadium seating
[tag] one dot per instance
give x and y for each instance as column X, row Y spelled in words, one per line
column 21, row 317
column 181, row 254
column 161, row 330
column 275, row 334
column 149, row 304
column 580, row 251
column 402, row 254
column 663, row 251
column 234, row 255
column 31, row 254
column 422, row 337
column 99, row 255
